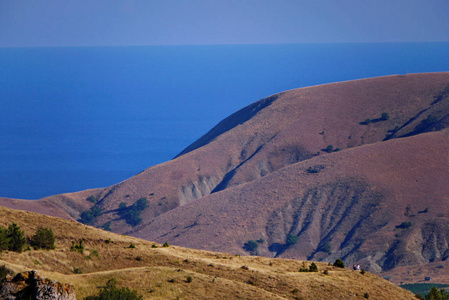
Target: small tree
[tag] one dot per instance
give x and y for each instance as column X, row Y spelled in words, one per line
column 291, row 239
column 384, row 116
column 313, row 267
column 339, row 263
column 44, row 238
column 16, row 238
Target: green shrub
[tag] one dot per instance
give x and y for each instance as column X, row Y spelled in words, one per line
column 112, row 292
column 313, row 267
column 166, row 245
column 251, row 246
column 291, row 239
column 44, row 238
column 189, row 279
column 154, row 246
column 339, row 263
column 92, row 199
column 366, row 295
column 366, row 122
column 5, row 271
column 88, row 217
column 384, row 116
column 132, row 246
column 326, row 248
column 436, row 294
column 12, row 239
column 107, row 226
column 404, row 225
column 131, row 214
column 77, row 247
column 77, row 271
column 328, row 149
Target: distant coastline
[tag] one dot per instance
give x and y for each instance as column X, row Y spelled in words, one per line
column 79, row 118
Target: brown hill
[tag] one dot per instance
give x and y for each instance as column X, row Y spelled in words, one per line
column 180, row 273
column 251, row 175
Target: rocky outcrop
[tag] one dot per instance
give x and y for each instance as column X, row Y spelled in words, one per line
column 32, row 285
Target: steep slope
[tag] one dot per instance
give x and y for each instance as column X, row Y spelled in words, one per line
column 381, row 205
column 179, row 273
column 274, row 132
column 242, row 173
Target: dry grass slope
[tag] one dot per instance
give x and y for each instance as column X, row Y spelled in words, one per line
column 176, row 272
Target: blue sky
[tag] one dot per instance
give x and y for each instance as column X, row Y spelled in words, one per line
column 43, row 23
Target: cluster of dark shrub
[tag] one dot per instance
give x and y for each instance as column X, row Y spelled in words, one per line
column 88, row 217
column 251, row 246
column 78, row 247
column 384, row 117
column 330, row 148
column 312, row 268
column 43, row 239
column 112, row 292
column 131, row 214
column 13, row 238
column 291, row 239
column 404, row 225
column 435, row 294
column 339, row 263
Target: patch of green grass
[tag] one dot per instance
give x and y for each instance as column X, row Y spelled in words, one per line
column 422, row 288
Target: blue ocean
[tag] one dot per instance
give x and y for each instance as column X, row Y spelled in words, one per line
column 80, row 118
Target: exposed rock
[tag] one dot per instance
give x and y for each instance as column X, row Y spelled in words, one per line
column 32, row 285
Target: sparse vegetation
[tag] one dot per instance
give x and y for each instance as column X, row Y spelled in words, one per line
column 43, row 239
column 131, row 214
column 328, row 149
column 12, row 238
column 312, row 268
column 132, row 246
column 107, row 226
column 366, row 122
column 404, row 225
column 315, row 169
column 165, row 245
column 383, row 117
column 251, row 246
column 422, row 289
column 291, row 239
column 112, row 292
column 5, row 271
column 436, row 294
column 339, row 263
column 326, row 248
column 92, row 199
column 79, row 247
column 88, row 217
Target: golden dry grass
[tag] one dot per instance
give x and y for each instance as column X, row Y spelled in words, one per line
column 162, row 273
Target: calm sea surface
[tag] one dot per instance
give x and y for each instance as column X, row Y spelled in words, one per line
column 79, row 118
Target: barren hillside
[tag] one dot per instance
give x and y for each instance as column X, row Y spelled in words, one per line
column 179, row 273
column 356, row 169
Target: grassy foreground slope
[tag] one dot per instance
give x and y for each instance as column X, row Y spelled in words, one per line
column 172, row 272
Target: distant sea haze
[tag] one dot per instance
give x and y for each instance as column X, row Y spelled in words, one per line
column 79, row 118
